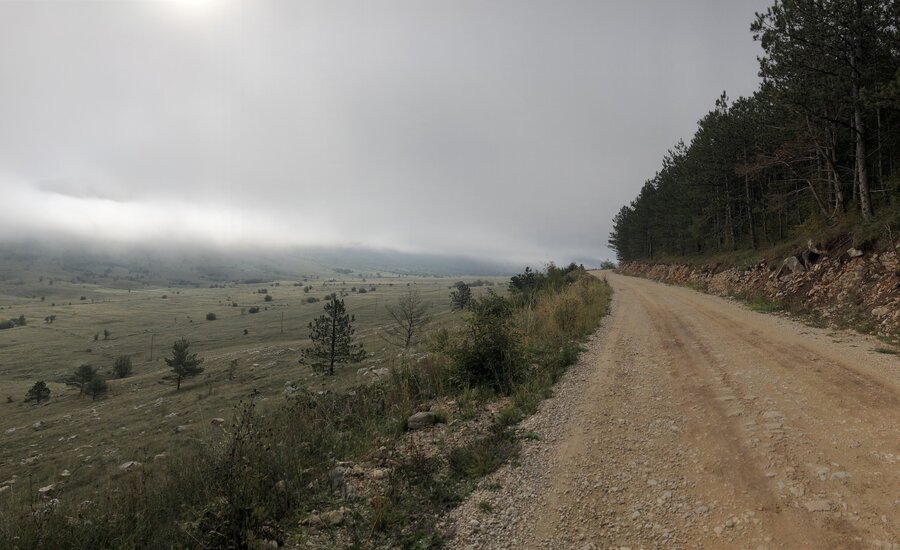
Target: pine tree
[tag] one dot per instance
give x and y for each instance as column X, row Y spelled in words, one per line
column 332, row 339
column 83, row 376
column 97, row 386
column 38, row 392
column 461, row 296
column 184, row 364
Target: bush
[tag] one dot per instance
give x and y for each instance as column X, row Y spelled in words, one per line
column 268, row 298
column 122, row 366
column 38, row 392
column 97, row 387
column 490, row 352
column 253, row 309
column 6, row 324
column 509, row 415
column 483, row 456
column 83, row 376
column 210, row 316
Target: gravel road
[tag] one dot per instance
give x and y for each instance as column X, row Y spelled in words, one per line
column 692, row 422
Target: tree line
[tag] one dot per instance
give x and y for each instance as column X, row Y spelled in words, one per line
column 817, row 144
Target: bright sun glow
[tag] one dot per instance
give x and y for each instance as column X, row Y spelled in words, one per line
column 195, row 6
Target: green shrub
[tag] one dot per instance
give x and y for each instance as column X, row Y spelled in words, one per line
column 764, row 305
column 482, row 456
column 490, row 352
column 509, row 415
column 97, row 387
column 38, row 392
column 122, row 367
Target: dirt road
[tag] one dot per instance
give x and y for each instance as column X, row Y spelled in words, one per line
column 692, row 422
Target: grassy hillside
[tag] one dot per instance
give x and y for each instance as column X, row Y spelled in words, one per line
column 139, row 416
column 266, row 473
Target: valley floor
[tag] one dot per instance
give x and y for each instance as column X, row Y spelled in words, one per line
column 692, row 422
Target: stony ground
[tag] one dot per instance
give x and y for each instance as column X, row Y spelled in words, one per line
column 692, row 422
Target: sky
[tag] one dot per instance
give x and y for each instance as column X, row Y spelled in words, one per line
column 505, row 129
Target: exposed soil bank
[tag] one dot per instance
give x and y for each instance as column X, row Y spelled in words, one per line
column 845, row 287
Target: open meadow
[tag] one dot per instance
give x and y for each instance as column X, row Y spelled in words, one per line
column 72, row 440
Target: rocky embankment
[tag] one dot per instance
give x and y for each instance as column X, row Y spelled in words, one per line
column 842, row 286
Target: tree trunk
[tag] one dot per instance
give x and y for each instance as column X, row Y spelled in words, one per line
column 859, row 134
column 865, row 206
column 749, row 206
column 333, row 343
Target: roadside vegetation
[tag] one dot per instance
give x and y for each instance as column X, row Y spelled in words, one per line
column 281, row 473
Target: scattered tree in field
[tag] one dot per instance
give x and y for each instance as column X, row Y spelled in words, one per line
column 461, row 296
column 607, row 264
column 183, row 364
column 210, row 316
column 38, row 392
column 96, row 336
column 50, row 319
column 122, row 367
column 253, row 309
column 332, row 339
column 268, row 298
column 409, row 316
column 83, row 376
column 97, row 387
column 106, row 334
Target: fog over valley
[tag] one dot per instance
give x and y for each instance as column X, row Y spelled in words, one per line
column 514, row 134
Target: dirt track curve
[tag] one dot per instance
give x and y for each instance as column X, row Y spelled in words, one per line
column 692, row 422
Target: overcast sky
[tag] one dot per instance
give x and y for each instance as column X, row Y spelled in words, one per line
column 507, row 129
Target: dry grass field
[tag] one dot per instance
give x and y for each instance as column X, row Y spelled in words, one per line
column 74, row 441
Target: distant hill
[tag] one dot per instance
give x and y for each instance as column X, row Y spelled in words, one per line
column 193, row 267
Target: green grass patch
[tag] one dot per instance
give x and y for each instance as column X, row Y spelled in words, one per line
column 764, row 305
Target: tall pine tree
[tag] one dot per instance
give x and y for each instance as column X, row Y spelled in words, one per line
column 332, row 339
column 184, row 364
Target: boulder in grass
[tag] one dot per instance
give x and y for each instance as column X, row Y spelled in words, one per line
column 421, row 420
